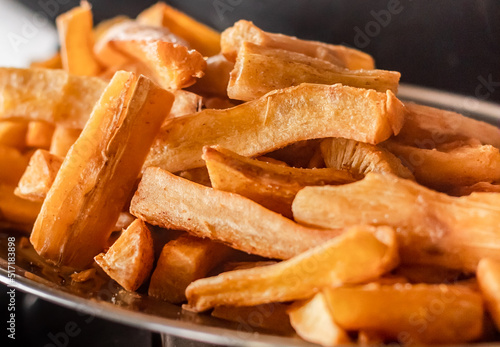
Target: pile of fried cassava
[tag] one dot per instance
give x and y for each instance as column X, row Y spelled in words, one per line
column 366, row 219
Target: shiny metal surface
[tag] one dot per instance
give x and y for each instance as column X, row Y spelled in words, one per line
column 110, row 302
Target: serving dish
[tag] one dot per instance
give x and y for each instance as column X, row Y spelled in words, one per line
column 105, row 299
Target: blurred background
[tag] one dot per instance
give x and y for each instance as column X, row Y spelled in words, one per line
column 452, row 45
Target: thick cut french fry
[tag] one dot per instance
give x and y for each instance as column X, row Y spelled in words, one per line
column 410, row 314
column 199, row 36
column 185, row 103
column 233, row 37
column 124, row 220
column 170, row 62
column 484, row 187
column 216, row 77
column 13, row 133
column 298, row 154
column 272, row 317
column 313, row 321
column 271, row 185
column 488, row 276
column 240, row 265
column 360, row 158
column 429, row 127
column 12, row 164
column 62, row 140
column 104, row 26
column 77, row 41
column 433, row 228
column 53, row 62
column 53, row 96
column 99, row 173
column 39, row 175
column 428, row 274
column 361, row 254
column 370, row 338
column 172, row 202
column 277, row 119
column 219, row 103
column 129, row 260
column 183, row 261
column 173, row 66
column 16, row 210
column 39, row 134
column 259, row 70
column 198, row 175
column 445, row 169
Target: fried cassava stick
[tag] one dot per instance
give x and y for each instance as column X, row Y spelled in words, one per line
column 410, row 314
column 361, row 254
column 433, row 228
column 53, row 96
column 39, row 175
column 428, row 127
column 277, row 119
column 361, row 158
column 271, row 185
column 98, row 174
column 445, row 169
column 259, row 70
column 233, row 37
column 169, row 201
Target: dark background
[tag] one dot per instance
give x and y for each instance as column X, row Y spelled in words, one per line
column 452, row 45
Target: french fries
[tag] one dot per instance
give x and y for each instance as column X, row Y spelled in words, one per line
column 233, row 37
column 13, row 133
column 409, row 314
column 277, row 119
column 39, row 176
column 259, row 70
column 313, row 321
column 53, row 62
column 39, row 134
column 427, row 127
column 295, row 152
column 98, row 174
column 360, row 158
column 359, row 255
column 220, row 216
column 445, row 169
column 271, row 185
column 167, row 58
column 62, row 140
column 216, row 77
column 130, row 259
column 200, row 37
column 183, row 261
column 13, row 209
column 77, row 40
column 13, row 164
column 484, row 187
column 53, row 96
column 433, row 228
column 185, row 103
column 488, row 276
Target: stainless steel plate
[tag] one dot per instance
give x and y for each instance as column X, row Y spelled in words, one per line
column 110, row 302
